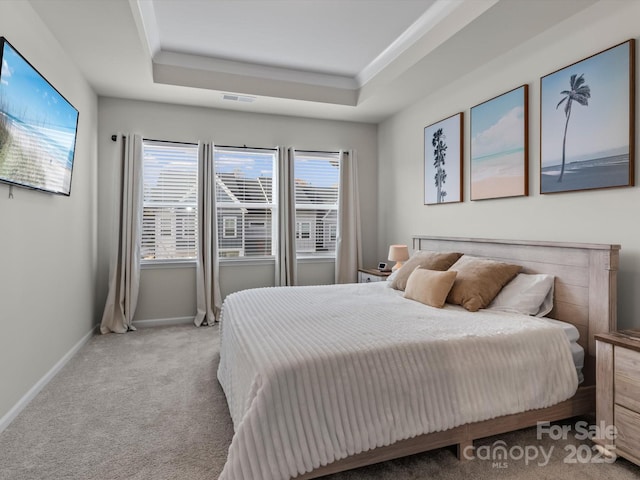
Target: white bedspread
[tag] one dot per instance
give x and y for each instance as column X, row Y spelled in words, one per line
column 315, row 374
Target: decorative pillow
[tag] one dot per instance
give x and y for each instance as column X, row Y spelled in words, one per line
column 430, row 287
column 529, row 294
column 422, row 258
column 392, row 277
column 479, row 280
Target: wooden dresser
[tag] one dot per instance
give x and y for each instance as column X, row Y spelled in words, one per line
column 618, row 393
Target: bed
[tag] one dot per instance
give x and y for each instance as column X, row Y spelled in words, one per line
column 318, row 380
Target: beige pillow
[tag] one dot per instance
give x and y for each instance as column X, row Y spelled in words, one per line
column 425, row 259
column 479, row 281
column 430, row 287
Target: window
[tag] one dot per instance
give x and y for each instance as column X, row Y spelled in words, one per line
column 229, row 226
column 317, row 179
column 170, row 185
column 303, row 230
column 245, row 197
column 333, row 232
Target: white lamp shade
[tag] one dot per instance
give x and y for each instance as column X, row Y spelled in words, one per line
column 398, row 253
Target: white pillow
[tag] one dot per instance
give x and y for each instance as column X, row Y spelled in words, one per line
column 528, row 294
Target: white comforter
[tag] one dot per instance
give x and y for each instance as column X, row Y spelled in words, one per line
column 315, row 374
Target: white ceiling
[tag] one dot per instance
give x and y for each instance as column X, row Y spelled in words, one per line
column 358, row 60
column 334, row 37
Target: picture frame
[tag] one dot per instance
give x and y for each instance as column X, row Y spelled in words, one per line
column 499, row 146
column 38, row 127
column 443, row 161
column 587, row 123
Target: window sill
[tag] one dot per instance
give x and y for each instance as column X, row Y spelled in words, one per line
column 227, row 262
column 244, row 261
column 316, row 259
column 154, row 264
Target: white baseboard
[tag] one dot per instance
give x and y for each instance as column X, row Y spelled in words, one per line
column 163, row 322
column 40, row 384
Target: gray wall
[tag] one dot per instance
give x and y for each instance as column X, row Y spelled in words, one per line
column 170, row 292
column 599, row 216
column 54, row 250
column 48, row 252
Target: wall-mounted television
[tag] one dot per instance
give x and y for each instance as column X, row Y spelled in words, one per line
column 37, row 127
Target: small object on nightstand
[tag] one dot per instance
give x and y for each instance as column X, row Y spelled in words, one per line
column 384, row 267
column 618, row 393
column 368, row 275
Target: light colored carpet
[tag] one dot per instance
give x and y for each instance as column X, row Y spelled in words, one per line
column 147, row 405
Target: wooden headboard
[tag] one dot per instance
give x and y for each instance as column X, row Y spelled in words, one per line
column 585, row 278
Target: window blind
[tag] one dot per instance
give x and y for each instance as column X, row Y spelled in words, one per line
column 245, row 202
column 169, row 219
column 317, row 181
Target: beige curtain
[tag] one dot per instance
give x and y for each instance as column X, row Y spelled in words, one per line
column 209, row 298
column 124, row 269
column 286, row 265
column 349, row 240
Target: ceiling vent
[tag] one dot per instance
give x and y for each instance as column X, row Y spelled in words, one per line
column 238, row 98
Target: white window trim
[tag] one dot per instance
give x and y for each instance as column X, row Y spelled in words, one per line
column 163, row 263
column 329, row 258
column 171, row 262
column 321, row 257
column 273, row 207
column 224, row 226
column 246, row 261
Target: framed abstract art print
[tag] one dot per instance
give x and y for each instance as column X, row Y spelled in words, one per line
column 499, row 146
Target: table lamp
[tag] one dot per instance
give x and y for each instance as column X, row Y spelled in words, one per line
column 398, row 254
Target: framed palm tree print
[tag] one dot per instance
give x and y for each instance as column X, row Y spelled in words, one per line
column 587, row 123
column 443, row 161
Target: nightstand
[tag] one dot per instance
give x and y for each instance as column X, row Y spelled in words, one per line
column 368, row 275
column 618, row 393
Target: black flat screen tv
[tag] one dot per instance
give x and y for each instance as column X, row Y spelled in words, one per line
column 38, row 127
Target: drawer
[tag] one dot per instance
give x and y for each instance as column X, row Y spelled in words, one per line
column 627, row 378
column 628, row 430
column 368, row 278
column 627, row 362
column 627, row 392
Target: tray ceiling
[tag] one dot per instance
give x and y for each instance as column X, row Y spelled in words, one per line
column 359, row 60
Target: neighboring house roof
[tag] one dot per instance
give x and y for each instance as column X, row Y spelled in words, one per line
column 167, row 176
column 241, row 189
column 313, row 194
column 233, row 187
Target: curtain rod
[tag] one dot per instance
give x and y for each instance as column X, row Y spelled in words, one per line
column 244, row 146
column 115, row 137
column 321, row 151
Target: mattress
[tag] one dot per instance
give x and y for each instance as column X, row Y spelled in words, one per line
column 577, row 352
column 315, row 374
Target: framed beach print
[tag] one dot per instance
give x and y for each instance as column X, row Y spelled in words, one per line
column 443, row 161
column 499, row 146
column 587, row 123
